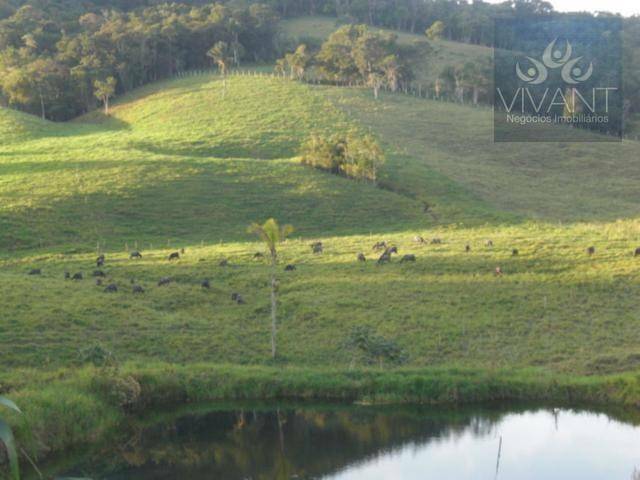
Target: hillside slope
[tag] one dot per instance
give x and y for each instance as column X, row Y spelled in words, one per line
column 177, row 165
column 582, row 181
column 178, row 161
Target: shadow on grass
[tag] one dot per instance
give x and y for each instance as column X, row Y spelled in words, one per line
column 209, row 201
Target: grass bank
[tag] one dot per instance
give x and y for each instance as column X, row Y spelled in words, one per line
column 65, row 409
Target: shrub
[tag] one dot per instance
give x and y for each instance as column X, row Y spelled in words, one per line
column 371, row 348
column 358, row 157
column 97, row 355
column 123, row 391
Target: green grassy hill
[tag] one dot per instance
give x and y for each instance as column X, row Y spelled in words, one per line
column 177, row 162
column 180, row 165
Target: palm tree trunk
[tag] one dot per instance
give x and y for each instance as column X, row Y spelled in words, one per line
column 274, row 306
column 274, row 302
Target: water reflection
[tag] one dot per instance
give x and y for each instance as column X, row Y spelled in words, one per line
column 365, row 443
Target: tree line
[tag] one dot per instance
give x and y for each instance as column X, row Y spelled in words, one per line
column 62, row 58
column 356, row 54
column 468, row 21
column 59, row 64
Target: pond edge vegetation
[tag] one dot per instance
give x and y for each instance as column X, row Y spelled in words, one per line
column 66, row 409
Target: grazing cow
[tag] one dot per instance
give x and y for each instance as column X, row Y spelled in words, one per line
column 317, row 247
column 258, row 255
column 515, row 252
column 137, row 289
column 205, row 284
column 35, row 271
column 174, row 256
column 419, row 239
column 361, row 257
column 380, row 246
column 289, row 268
column 77, row 276
column 467, row 248
column 135, row 254
column 99, row 273
column 498, row 272
column 591, row 250
column 489, row 243
column 100, row 261
column 236, row 297
column 164, row 281
column 436, row 241
column 637, row 252
column 111, row 288
column 408, row 258
column 386, row 256
column 224, row 263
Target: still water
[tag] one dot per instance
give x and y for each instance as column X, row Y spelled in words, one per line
column 372, row 443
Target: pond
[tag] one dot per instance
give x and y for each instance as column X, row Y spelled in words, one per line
column 370, row 443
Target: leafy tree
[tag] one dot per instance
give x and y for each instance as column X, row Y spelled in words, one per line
column 222, row 56
column 446, row 82
column 375, row 81
column 298, row 62
column 354, row 156
column 272, row 234
column 104, row 90
column 435, row 31
column 354, row 52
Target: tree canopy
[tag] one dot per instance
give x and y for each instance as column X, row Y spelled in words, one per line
column 55, row 53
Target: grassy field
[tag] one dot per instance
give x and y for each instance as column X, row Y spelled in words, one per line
column 180, row 165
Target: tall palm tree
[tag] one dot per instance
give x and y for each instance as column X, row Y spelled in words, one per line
column 272, row 234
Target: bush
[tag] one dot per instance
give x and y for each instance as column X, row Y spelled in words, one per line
column 120, row 390
column 97, row 355
column 371, row 348
column 358, row 157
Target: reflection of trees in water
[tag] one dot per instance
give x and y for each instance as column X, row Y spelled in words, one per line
column 278, row 444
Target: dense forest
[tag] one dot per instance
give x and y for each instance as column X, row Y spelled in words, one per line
column 61, row 58
column 59, row 62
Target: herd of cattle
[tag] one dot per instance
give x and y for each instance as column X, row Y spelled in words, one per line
column 317, row 248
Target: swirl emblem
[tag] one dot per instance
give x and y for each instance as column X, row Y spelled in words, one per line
column 553, row 58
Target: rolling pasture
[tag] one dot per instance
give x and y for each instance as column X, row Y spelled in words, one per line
column 180, row 165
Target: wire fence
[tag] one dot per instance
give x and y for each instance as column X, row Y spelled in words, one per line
column 415, row 90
